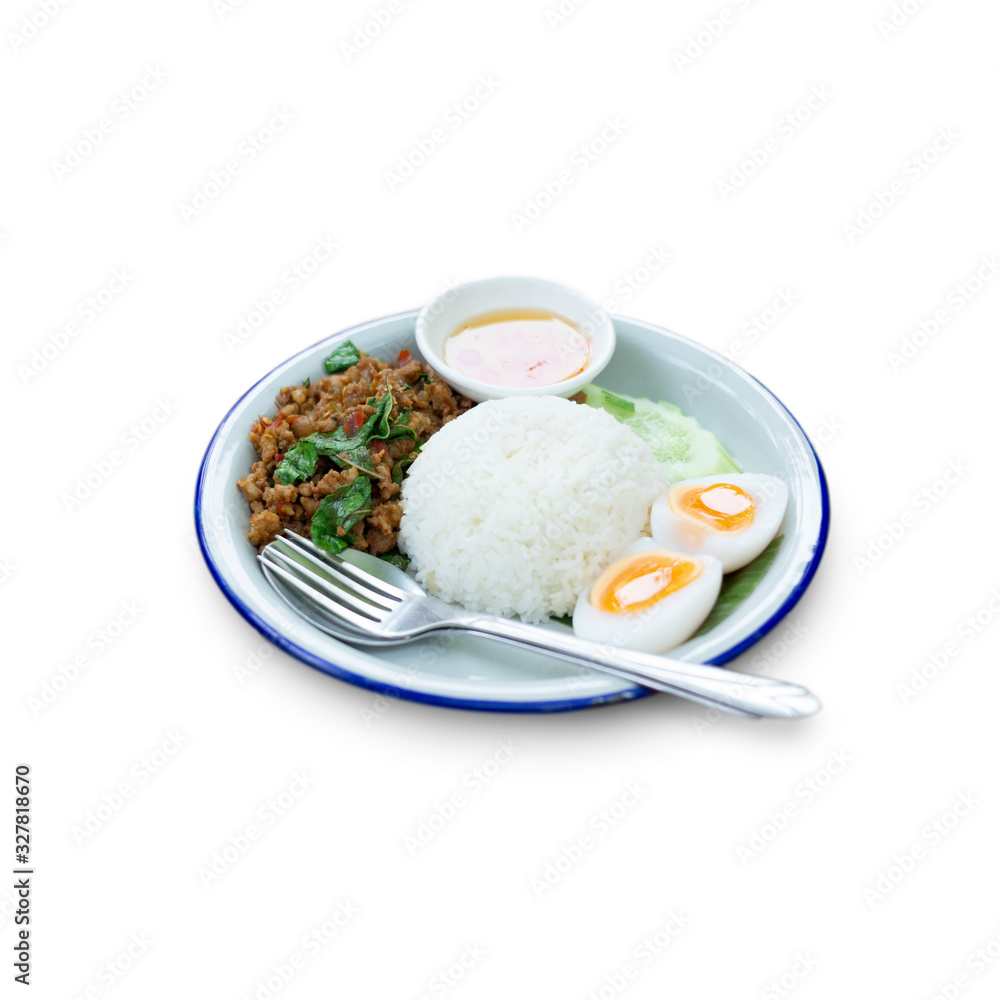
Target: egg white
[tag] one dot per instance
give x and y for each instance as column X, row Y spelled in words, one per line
column 733, row 549
column 669, row 622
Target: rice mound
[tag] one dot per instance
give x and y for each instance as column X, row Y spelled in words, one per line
column 517, row 505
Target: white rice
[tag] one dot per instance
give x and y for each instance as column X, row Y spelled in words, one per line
column 515, row 507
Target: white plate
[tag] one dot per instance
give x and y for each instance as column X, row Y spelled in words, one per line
column 466, row 672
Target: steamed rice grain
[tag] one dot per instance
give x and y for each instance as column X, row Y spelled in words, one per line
column 516, row 506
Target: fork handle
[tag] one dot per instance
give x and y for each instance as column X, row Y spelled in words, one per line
column 727, row 690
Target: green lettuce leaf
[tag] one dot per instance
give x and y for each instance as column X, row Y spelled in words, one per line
column 738, row 586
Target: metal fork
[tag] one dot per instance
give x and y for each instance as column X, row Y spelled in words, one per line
column 341, row 595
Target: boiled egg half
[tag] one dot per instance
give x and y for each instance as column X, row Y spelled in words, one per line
column 649, row 600
column 732, row 517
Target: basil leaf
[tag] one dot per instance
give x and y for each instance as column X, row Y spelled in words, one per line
column 343, row 508
column 396, row 558
column 402, row 463
column 331, row 443
column 342, row 357
column 299, row 463
column 737, row 587
column 350, row 450
column 380, row 418
column 360, row 458
column 398, row 432
column 400, row 428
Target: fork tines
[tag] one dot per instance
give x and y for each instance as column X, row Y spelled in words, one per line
column 328, row 579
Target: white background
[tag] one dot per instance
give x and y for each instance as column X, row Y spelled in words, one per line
column 886, row 431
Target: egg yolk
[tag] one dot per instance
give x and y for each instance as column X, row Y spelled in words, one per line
column 637, row 582
column 721, row 506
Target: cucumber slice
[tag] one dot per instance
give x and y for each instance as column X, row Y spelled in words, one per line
column 680, row 443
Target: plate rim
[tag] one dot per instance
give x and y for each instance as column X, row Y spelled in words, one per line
column 331, row 668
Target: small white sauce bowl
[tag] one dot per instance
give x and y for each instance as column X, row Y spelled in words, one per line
column 441, row 317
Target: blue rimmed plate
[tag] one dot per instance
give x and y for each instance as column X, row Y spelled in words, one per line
column 466, row 672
